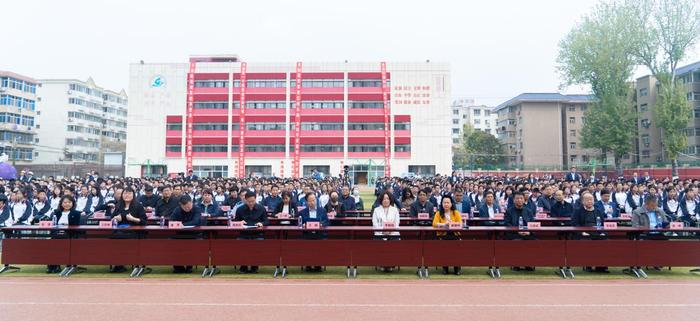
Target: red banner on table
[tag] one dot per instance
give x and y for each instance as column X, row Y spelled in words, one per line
column 297, row 123
column 189, row 116
column 387, row 114
column 242, row 126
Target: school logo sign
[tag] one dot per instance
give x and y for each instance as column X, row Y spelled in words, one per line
column 158, row 82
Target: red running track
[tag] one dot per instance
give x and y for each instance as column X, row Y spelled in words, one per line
column 210, row 299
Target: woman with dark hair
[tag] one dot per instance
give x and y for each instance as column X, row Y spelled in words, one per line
column 407, row 198
column 128, row 210
column 96, row 199
column 65, row 214
column 55, row 198
column 286, row 206
column 386, row 212
column 447, row 212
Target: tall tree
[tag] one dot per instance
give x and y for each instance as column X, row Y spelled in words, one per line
column 664, row 31
column 596, row 52
column 481, row 148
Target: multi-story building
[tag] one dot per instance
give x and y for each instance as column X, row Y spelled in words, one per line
column 220, row 116
column 18, row 99
column 542, row 130
column 650, row 144
column 79, row 121
column 466, row 111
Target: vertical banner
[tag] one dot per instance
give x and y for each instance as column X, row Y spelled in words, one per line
column 282, row 168
column 387, row 114
column 297, row 123
column 189, row 116
column 241, row 119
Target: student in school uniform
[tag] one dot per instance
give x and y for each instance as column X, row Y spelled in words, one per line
column 65, row 215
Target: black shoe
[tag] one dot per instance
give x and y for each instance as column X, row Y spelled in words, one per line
column 529, row 269
column 254, row 269
column 458, row 271
column 244, row 269
column 118, row 269
column 188, row 269
column 445, row 271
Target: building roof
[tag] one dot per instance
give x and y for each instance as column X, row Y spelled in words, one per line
column 688, row 68
column 18, row 76
column 545, row 97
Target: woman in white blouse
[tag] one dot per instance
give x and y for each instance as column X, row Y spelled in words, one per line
column 386, row 212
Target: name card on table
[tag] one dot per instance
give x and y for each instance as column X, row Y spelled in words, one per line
column 388, row 225
column 454, row 226
column 534, row 224
column 676, row 225
column 236, row 224
column 283, row 215
column 45, row 224
column 300, row 208
column 499, row 216
column 331, row 215
column 105, row 224
column 541, row 215
column 423, row 216
column 540, row 209
column 610, row 225
column 174, row 224
column 626, row 216
column 313, row 225
column 98, row 215
column 225, row 208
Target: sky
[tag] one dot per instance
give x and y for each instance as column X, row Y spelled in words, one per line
column 497, row 48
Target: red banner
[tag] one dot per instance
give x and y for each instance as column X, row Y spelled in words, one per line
column 297, row 122
column 189, row 115
column 387, row 123
column 242, row 126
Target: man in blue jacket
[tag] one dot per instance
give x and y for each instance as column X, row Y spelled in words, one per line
column 314, row 213
column 607, row 205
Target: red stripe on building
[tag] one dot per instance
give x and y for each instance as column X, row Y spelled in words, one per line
column 387, row 133
column 189, row 114
column 241, row 119
column 297, row 122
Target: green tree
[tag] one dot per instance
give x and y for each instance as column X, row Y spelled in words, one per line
column 479, row 149
column 596, row 52
column 664, row 31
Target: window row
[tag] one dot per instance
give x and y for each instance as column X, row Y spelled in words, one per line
column 14, row 83
column 9, row 100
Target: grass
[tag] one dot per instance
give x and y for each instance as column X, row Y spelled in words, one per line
column 366, row 273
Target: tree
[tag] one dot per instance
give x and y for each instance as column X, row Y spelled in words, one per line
column 597, row 52
column 664, row 31
column 479, row 149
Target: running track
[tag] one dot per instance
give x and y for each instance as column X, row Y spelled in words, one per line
column 211, row 299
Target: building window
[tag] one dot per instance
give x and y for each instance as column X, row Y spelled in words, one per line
column 572, row 120
column 645, row 123
column 572, row 145
column 584, row 158
column 455, row 112
column 643, row 92
column 455, row 130
column 455, row 121
column 572, row 108
column 645, row 154
column 477, row 112
column 572, row 158
column 643, row 107
column 584, row 107
column 572, row 133
column 211, row 171
column 477, row 121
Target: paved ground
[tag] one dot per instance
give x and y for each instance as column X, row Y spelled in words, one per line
column 30, row 298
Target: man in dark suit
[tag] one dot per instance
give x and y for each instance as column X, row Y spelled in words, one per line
column 251, row 214
column 191, row 176
column 189, row 215
column 573, row 175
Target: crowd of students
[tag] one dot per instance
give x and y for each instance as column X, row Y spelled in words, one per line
column 651, row 202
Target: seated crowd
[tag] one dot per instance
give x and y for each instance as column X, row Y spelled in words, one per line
column 650, row 202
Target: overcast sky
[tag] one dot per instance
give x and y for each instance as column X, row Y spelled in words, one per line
column 497, row 48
